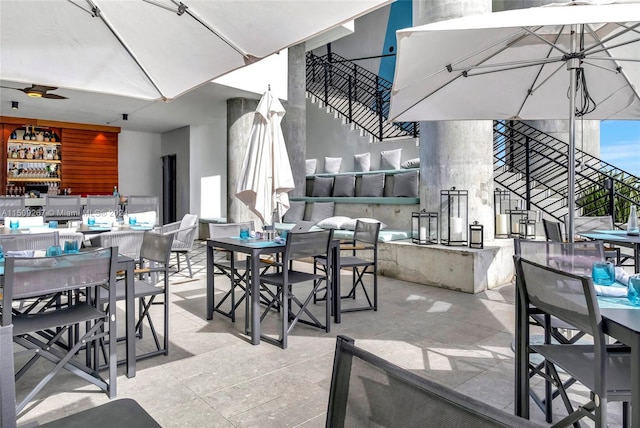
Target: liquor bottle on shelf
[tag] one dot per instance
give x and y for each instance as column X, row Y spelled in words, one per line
column 13, row 136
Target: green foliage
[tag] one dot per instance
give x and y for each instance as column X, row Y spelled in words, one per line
column 594, row 200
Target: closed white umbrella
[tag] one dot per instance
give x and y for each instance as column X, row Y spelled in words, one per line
column 552, row 62
column 266, row 176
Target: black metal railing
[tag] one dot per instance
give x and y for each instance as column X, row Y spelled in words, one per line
column 355, row 93
column 533, row 166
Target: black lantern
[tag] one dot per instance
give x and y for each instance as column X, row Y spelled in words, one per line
column 527, row 228
column 454, row 216
column 515, row 219
column 424, row 227
column 476, row 235
column 502, row 203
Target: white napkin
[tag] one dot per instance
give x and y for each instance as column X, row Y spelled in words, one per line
column 611, row 291
column 621, row 276
column 21, row 253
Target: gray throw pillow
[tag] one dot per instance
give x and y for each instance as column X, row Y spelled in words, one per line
column 311, row 166
column 332, row 165
column 372, row 185
column 321, row 210
column 390, row 159
column 362, row 162
column 322, row 186
column 406, row 184
column 344, row 185
column 411, row 163
column 295, row 213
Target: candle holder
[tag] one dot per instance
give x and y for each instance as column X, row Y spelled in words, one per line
column 424, row 227
column 502, row 203
column 527, row 228
column 454, row 205
column 476, row 235
column 515, row 218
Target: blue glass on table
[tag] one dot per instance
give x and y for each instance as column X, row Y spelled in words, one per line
column 14, row 224
column 70, row 247
column 603, row 273
column 283, row 234
column 53, row 224
column 132, row 220
column 91, row 221
column 634, row 290
column 244, row 233
column 1, row 254
column 54, row 250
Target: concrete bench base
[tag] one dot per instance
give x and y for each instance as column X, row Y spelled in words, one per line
column 454, row 268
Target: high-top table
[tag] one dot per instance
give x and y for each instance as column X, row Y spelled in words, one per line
column 618, row 237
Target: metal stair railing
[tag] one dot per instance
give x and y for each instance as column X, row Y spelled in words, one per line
column 358, row 95
column 533, row 166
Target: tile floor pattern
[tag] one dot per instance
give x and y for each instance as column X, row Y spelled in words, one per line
column 214, row 377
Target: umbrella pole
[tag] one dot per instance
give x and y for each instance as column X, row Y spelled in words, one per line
column 573, row 64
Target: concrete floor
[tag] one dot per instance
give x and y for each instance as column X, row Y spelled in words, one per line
column 214, row 377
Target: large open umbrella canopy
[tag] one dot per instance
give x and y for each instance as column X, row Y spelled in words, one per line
column 154, row 49
column 551, row 62
column 266, row 176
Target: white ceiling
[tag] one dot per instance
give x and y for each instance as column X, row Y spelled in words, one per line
column 196, row 107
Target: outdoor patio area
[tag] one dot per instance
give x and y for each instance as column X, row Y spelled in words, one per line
column 214, row 377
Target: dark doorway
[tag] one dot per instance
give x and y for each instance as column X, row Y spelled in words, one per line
column 168, row 188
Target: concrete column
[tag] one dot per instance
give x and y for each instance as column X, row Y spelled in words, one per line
column 240, row 113
column 294, row 124
column 458, row 153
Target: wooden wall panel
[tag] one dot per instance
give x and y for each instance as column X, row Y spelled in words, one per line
column 89, row 161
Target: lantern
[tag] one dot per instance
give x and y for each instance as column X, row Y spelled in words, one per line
column 476, row 235
column 454, row 216
column 424, row 227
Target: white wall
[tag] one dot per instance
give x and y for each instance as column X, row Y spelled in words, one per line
column 208, row 169
column 177, row 142
column 139, row 164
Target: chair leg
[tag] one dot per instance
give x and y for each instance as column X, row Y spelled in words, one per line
column 186, row 256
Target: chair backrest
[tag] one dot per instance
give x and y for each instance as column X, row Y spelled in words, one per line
column 586, row 224
column 129, row 243
column 29, row 241
column 367, row 232
column 189, row 222
column 97, row 205
column 367, row 390
column 569, row 297
column 26, row 277
column 156, row 247
column 12, row 206
column 228, row 230
column 574, row 257
column 7, row 379
column 307, row 244
column 63, row 208
column 138, row 204
column 552, row 230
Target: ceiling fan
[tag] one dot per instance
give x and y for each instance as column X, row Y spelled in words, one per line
column 39, row 91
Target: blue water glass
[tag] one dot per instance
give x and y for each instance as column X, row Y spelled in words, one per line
column 1, row 254
column 634, row 290
column 54, row 250
column 132, row 220
column 91, row 221
column 70, row 247
column 53, row 224
column 244, row 233
column 14, row 224
column 283, row 234
column 603, row 273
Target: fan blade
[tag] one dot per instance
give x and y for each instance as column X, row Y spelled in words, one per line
column 9, row 87
column 42, row 88
column 54, row 97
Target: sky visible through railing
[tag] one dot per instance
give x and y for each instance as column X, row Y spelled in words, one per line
column 620, row 144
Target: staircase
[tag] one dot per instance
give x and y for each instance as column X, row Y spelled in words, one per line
column 356, row 95
column 532, row 165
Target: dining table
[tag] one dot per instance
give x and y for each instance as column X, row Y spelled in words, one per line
column 126, row 264
column 618, row 237
column 254, row 248
column 620, row 320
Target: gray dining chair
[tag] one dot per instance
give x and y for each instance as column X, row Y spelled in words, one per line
column 289, row 294
column 138, row 204
column 97, row 204
column 7, row 380
column 605, row 370
column 12, row 206
column 63, row 208
column 30, row 241
column 185, row 232
column 128, row 242
column 40, row 331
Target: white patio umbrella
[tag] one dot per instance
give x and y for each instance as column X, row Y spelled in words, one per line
column 154, row 49
column 513, row 65
column 266, row 176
